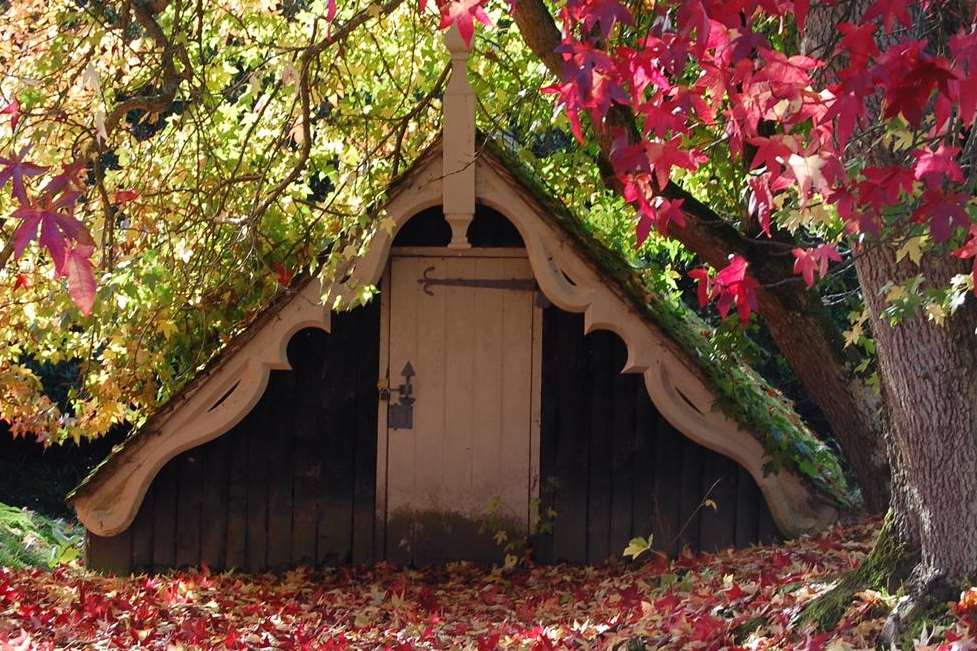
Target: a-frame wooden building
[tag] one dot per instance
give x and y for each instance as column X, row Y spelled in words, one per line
column 509, row 377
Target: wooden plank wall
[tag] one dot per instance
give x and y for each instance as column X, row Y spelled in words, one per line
column 292, row 484
column 612, row 468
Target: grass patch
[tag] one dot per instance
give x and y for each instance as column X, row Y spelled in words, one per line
column 28, row 539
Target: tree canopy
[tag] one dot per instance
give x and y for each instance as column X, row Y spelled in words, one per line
column 166, row 165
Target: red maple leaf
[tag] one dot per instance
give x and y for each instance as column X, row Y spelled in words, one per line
column 692, row 16
column 944, row 213
column 847, row 103
column 13, row 110
column 658, row 214
column 603, row 13
column 771, row 152
column 52, row 216
column 463, row 14
column 15, row 169
column 933, row 167
column 68, row 179
column 282, row 275
column 663, row 156
column 489, row 642
column 778, row 68
column 122, row 197
column 703, row 282
column 964, row 50
column 859, row 42
column 81, row 278
column 883, row 186
column 570, row 100
column 761, row 203
column 734, row 287
column 889, row 11
column 909, row 76
column 809, row 262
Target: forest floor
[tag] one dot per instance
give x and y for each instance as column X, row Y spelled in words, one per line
column 732, row 600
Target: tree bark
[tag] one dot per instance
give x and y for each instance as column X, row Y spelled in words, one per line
column 929, row 378
column 798, row 322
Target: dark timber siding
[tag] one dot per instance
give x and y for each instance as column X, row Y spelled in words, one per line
column 292, row 484
column 613, row 468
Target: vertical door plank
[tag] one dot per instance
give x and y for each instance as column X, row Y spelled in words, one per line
column 454, row 485
column 747, row 494
column 570, row 527
column 516, row 375
column 599, row 350
column 719, row 523
column 237, row 496
column 645, row 462
column 213, row 537
column 366, row 322
column 382, row 436
column 188, row 507
column 142, row 533
column 110, row 555
column 691, row 492
column 306, row 346
column 549, row 432
column 164, row 517
column 624, row 452
column 257, row 481
column 767, row 533
column 429, row 415
column 280, row 472
column 404, row 328
column 666, row 503
column 336, row 444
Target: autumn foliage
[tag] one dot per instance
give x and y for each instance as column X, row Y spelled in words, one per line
column 790, row 118
column 710, row 66
column 733, row 600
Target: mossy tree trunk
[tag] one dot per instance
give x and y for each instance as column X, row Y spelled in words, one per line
column 929, row 378
column 891, row 560
column 928, row 543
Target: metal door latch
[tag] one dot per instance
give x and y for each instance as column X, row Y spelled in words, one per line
column 400, row 414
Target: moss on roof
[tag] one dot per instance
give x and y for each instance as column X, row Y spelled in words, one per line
column 741, row 393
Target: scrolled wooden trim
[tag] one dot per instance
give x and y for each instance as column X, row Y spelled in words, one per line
column 227, row 396
column 217, row 406
column 565, row 277
column 680, row 395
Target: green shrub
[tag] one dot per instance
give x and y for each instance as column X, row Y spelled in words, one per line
column 29, row 539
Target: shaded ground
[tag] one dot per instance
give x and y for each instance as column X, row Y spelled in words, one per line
column 732, row 600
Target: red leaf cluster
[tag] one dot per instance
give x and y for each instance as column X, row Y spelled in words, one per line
column 49, row 218
column 731, row 286
column 731, row 600
column 700, row 64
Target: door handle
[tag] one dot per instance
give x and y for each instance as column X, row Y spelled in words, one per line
column 400, row 414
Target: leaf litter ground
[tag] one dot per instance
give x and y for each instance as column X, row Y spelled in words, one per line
column 742, row 599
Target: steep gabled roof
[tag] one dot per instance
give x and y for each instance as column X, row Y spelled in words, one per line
column 742, row 394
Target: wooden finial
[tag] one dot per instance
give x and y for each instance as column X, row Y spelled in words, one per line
column 458, row 149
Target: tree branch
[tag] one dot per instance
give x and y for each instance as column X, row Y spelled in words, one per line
column 310, row 54
column 798, row 320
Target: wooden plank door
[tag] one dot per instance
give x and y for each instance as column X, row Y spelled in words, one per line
column 459, row 482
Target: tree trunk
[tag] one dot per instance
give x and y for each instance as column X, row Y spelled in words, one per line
column 929, row 379
column 798, row 322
